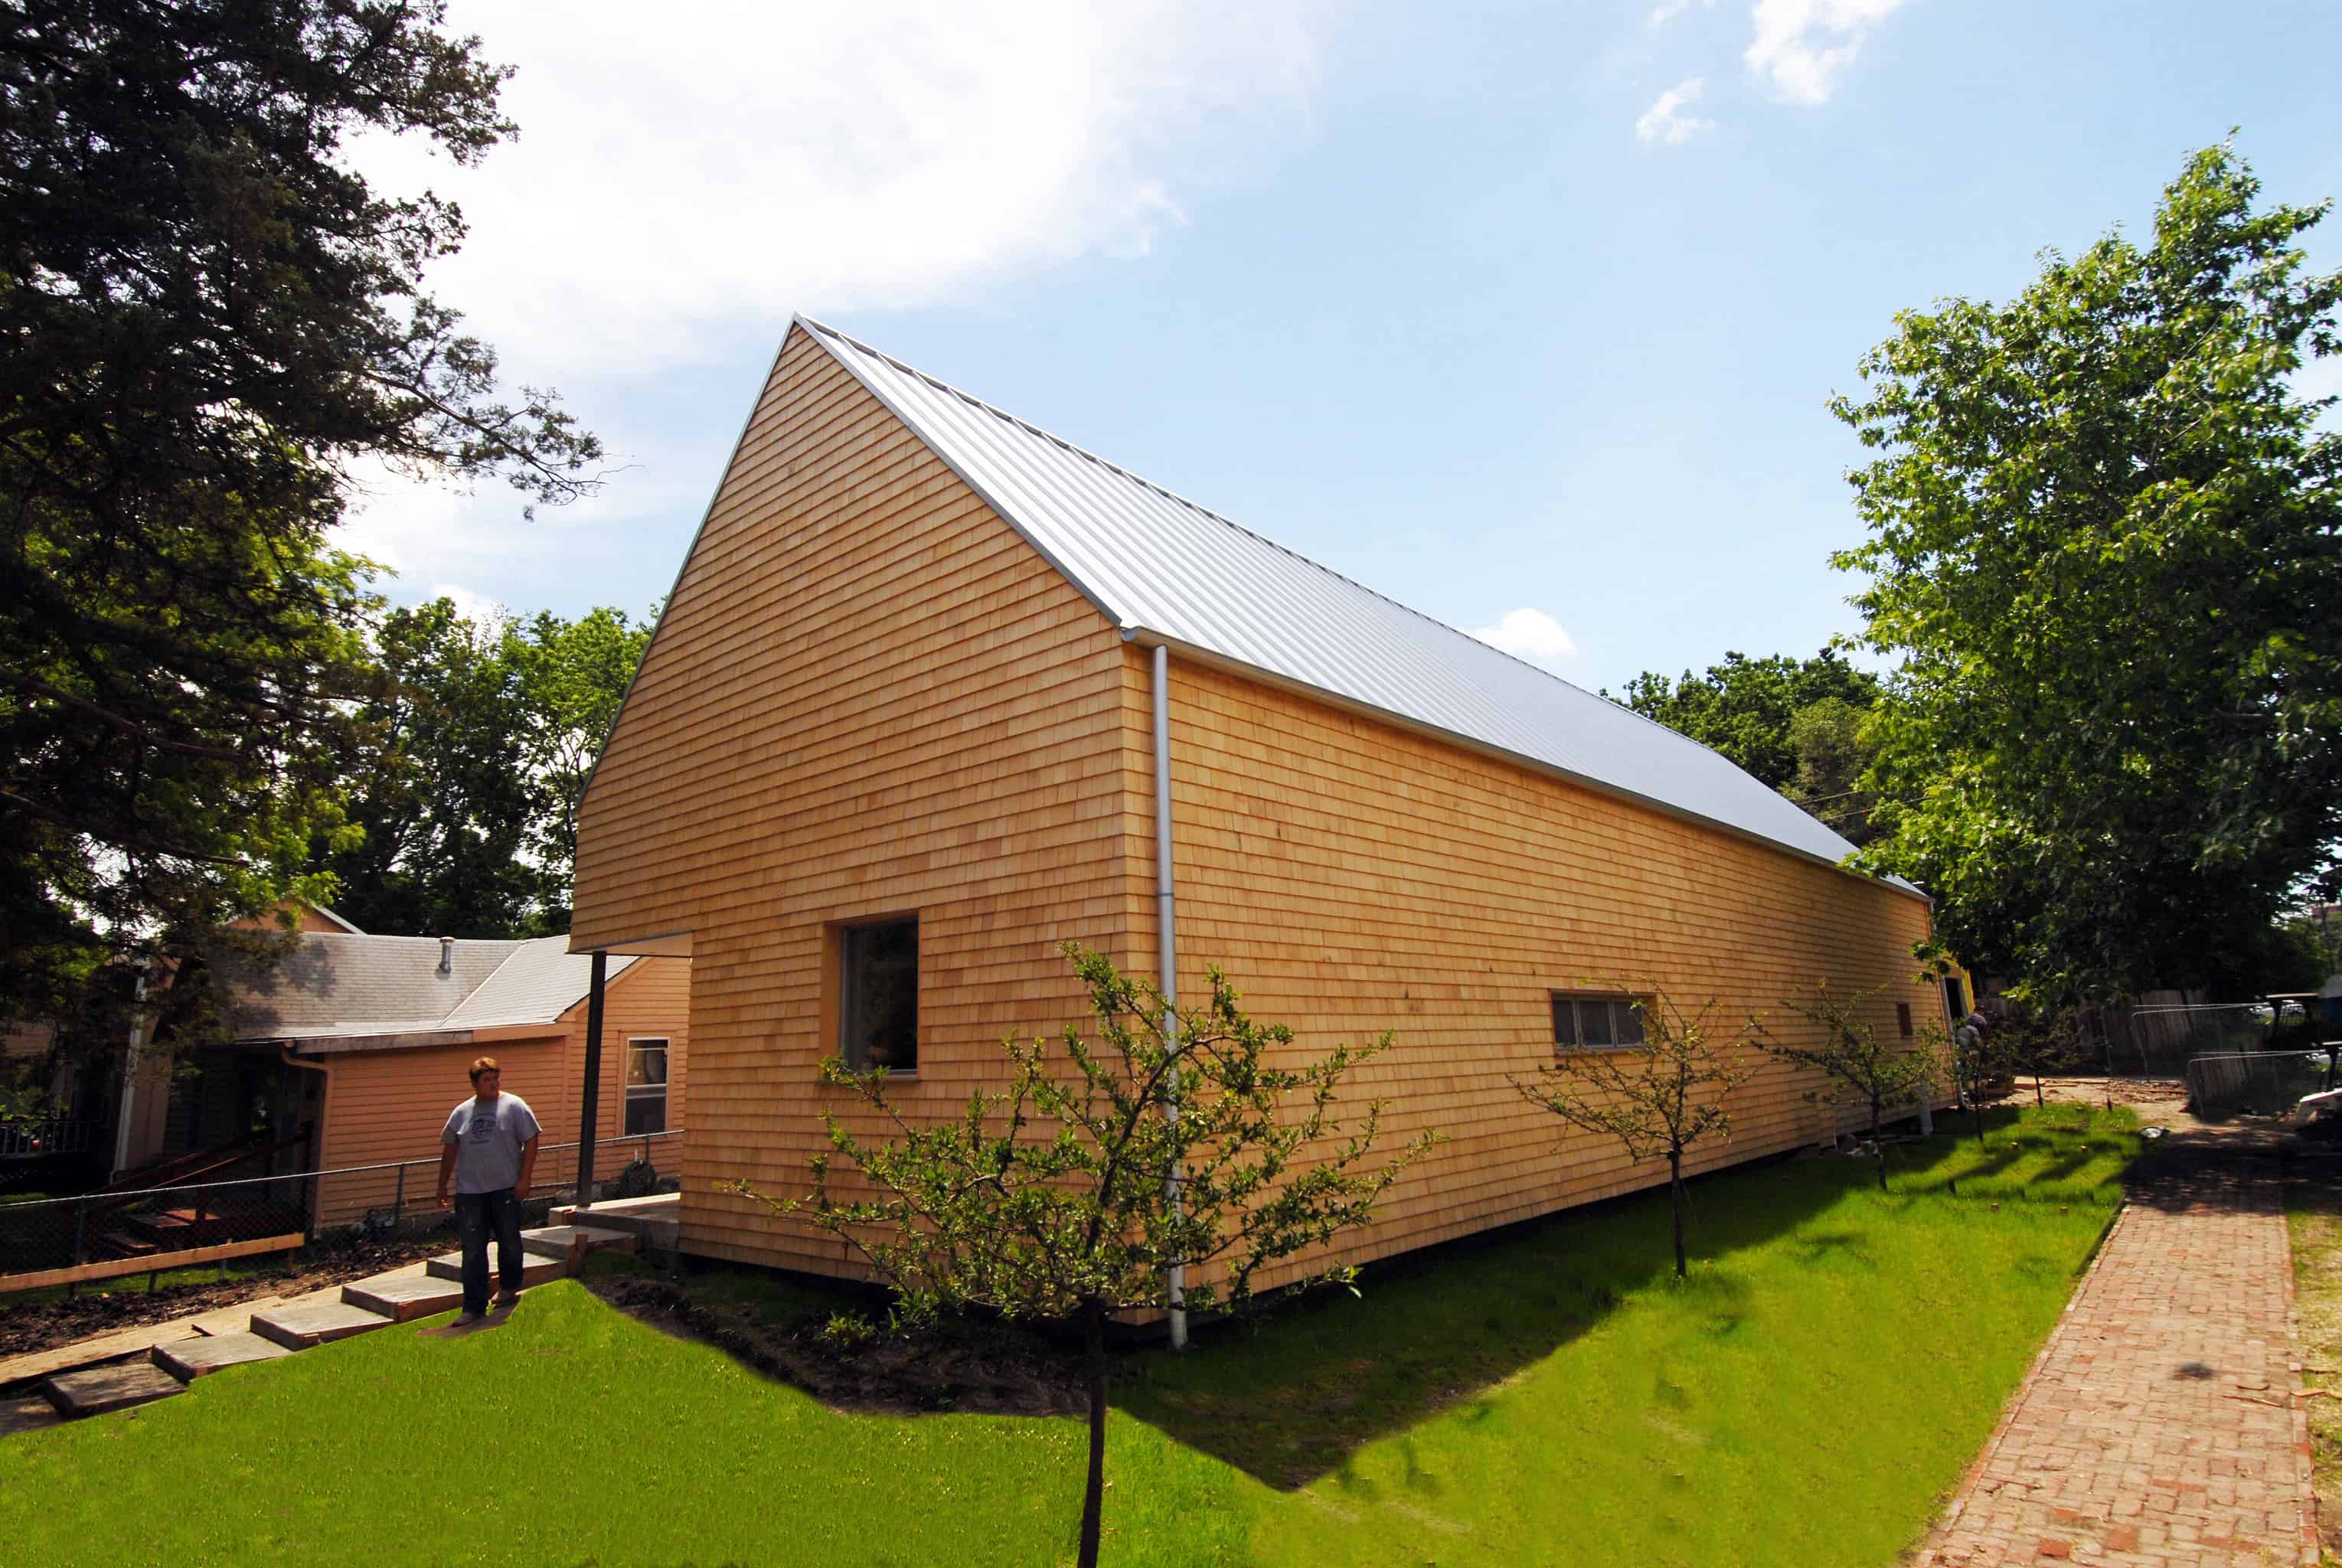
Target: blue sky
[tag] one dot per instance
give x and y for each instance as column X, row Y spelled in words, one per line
column 1535, row 310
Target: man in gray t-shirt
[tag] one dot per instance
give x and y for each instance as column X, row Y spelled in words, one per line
column 489, row 1147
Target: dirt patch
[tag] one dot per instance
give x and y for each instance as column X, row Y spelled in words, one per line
column 988, row 1369
column 45, row 1325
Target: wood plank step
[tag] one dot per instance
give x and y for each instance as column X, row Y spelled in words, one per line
column 189, row 1359
column 402, row 1298
column 572, row 1242
column 26, row 1415
column 317, row 1322
column 534, row 1271
column 98, row 1389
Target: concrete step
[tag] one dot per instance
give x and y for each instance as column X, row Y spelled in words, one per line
column 572, row 1242
column 534, row 1271
column 319, row 1322
column 95, row 1390
column 658, row 1220
column 402, row 1298
column 189, row 1359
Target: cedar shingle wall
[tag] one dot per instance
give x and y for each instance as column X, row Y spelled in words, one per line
column 1352, row 877
column 868, row 695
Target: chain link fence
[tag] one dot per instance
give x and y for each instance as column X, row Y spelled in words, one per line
column 397, row 1198
column 2265, row 1082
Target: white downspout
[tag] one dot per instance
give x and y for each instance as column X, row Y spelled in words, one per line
column 1168, row 955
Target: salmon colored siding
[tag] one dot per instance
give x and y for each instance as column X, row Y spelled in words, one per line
column 390, row 1104
column 869, row 696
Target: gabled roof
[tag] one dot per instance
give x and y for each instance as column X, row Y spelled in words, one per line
column 1165, row 570
column 344, row 988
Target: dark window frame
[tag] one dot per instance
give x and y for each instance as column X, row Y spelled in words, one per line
column 1612, row 1014
column 856, row 941
column 644, row 1093
column 1903, row 1019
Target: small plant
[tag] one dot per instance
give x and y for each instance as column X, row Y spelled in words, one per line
column 1075, row 1193
column 1862, row 1069
column 1658, row 1098
column 847, row 1333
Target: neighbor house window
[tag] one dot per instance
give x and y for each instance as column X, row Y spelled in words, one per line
column 647, row 1085
column 1903, row 1019
column 1584, row 1022
column 878, row 996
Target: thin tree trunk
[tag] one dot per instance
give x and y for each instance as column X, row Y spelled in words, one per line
column 1676, row 1186
column 1094, row 1489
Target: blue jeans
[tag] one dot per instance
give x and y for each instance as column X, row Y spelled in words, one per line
column 476, row 1214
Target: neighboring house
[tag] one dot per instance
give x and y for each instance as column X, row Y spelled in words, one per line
column 351, row 1049
column 897, row 735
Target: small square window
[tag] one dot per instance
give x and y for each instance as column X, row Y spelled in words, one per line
column 878, row 1011
column 1903, row 1019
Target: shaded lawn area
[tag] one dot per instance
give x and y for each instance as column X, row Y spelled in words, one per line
column 1551, row 1395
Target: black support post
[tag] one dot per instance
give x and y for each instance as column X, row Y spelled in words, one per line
column 592, row 1098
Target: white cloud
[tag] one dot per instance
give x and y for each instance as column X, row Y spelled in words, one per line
column 1528, row 633
column 476, row 608
column 1666, row 11
column 1802, row 46
column 711, row 166
column 1660, row 123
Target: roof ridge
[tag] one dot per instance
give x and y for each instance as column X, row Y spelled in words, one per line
column 1170, row 495
column 520, row 945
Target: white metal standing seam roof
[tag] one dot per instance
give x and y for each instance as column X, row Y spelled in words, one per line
column 1162, row 567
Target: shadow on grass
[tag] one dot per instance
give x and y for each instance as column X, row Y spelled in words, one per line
column 1290, row 1400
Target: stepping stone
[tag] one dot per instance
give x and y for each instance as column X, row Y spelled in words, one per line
column 534, row 1271
column 189, row 1359
column 98, row 1389
column 402, row 1298
column 320, row 1322
column 574, row 1242
column 26, row 1415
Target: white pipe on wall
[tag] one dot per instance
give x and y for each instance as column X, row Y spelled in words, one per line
column 1168, row 946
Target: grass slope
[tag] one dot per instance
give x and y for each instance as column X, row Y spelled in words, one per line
column 1551, row 1395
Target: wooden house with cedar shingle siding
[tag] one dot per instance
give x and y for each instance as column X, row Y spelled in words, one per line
column 901, row 730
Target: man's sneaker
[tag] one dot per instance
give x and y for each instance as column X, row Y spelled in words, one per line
column 506, row 1298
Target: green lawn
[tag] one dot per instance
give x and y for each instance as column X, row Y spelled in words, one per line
column 1551, row 1395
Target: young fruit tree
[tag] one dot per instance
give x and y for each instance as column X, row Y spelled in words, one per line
column 1659, row 1097
column 1861, row 1068
column 1174, row 1142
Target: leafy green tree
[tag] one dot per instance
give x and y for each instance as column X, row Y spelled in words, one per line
column 1074, row 1194
column 205, row 318
column 1660, row 1098
column 475, row 754
column 1858, row 1067
column 572, row 674
column 1794, row 725
column 2106, row 541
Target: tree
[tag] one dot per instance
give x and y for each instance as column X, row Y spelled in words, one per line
column 1794, row 725
column 1860, row 1068
column 207, row 318
column 2106, row 541
column 1662, row 1097
column 475, row 755
column 1075, row 1194
column 573, row 675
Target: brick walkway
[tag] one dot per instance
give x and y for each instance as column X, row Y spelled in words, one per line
column 2157, row 1426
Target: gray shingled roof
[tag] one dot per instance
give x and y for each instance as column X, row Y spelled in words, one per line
column 1163, row 568
column 342, row 987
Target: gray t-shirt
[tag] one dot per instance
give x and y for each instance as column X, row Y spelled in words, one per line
column 487, row 1137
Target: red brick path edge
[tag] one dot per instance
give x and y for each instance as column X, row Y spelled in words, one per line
column 2159, row 1426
